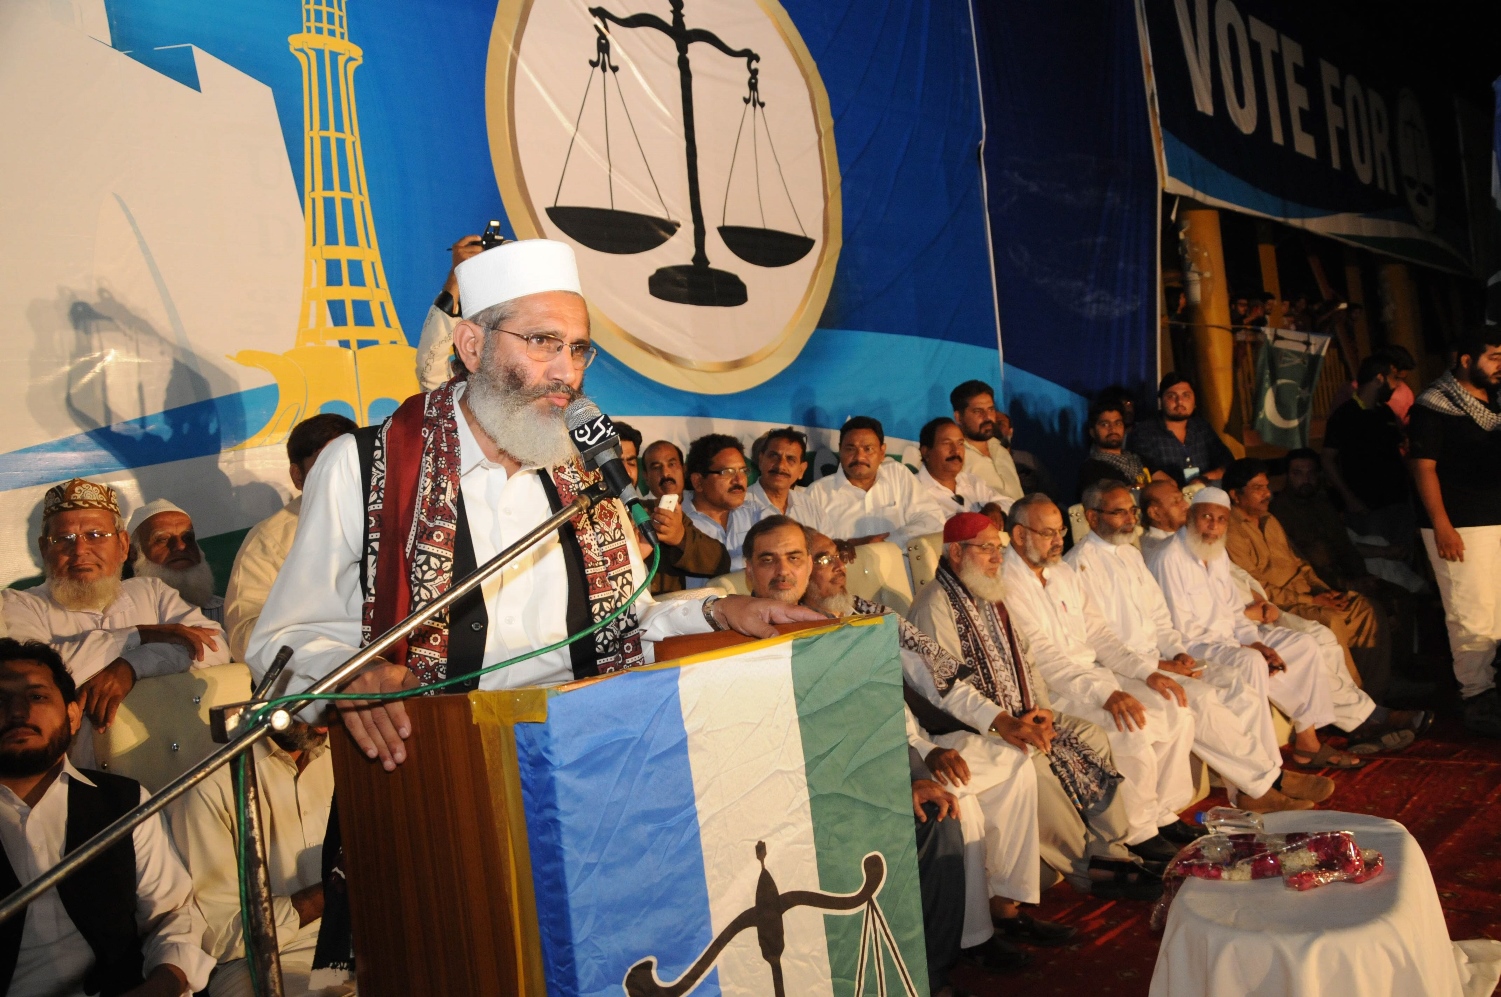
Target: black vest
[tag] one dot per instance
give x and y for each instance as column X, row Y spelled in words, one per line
column 101, row 897
column 468, row 619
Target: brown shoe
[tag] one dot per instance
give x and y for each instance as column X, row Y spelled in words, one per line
column 1272, row 802
column 1314, row 788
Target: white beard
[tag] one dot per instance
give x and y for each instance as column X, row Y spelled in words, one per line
column 1201, row 548
column 1120, row 538
column 76, row 596
column 195, row 584
column 1037, row 556
column 842, row 604
column 501, row 402
column 985, row 588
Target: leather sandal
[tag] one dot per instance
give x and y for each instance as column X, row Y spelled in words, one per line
column 1392, row 740
column 1326, row 758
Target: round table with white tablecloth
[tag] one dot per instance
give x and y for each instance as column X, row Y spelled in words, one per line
column 1385, row 936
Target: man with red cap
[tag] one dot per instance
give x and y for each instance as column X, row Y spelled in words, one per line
column 984, row 678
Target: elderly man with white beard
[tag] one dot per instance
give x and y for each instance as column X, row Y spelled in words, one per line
column 109, row 632
column 993, row 770
column 1194, row 574
column 1166, row 510
column 393, row 514
column 1233, row 729
column 166, row 547
column 1091, row 674
column 984, row 678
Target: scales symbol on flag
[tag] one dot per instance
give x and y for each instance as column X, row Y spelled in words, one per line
column 765, row 915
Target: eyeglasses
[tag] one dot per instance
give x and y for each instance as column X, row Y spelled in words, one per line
column 827, row 560
column 544, row 349
column 988, row 548
column 1048, row 535
column 728, row 472
column 1129, row 510
column 71, row 539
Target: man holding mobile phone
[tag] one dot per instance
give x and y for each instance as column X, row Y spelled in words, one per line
column 687, row 552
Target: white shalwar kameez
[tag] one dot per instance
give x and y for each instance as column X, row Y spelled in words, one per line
column 1233, row 730
column 1083, row 665
column 1208, row 611
column 997, row 809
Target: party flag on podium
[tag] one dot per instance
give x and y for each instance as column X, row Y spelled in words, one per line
column 739, row 824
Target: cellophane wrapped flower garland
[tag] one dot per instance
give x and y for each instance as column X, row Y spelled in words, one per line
column 1304, row 860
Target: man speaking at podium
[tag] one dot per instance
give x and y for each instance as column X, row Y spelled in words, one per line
column 392, row 515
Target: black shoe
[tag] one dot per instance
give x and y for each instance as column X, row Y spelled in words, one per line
column 1026, row 928
column 1483, row 714
column 1117, row 879
column 1154, row 849
column 996, row 955
column 1181, row 833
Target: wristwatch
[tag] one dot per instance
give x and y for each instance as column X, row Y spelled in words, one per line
column 444, row 303
column 708, row 606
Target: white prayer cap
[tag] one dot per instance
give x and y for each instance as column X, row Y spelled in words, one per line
column 514, row 270
column 148, row 510
column 1212, row 496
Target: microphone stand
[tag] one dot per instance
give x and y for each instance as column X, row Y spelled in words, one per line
column 241, row 738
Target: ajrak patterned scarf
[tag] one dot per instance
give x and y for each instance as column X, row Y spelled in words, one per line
column 413, row 506
column 993, row 663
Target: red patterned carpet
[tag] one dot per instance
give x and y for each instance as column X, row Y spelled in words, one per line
column 1446, row 789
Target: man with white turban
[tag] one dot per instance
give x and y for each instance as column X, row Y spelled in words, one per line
column 1206, row 609
column 165, row 546
column 1233, row 730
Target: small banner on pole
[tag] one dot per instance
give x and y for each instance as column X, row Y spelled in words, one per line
column 1287, row 368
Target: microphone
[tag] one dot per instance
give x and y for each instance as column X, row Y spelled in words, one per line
column 598, row 445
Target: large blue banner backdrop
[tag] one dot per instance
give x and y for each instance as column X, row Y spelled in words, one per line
column 229, row 216
column 1072, row 186
column 1287, row 111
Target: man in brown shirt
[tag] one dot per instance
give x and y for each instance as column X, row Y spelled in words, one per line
column 1258, row 543
column 1318, row 534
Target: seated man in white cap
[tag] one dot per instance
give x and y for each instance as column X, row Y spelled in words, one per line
column 166, row 547
column 109, row 632
column 1194, row 573
column 266, row 546
column 1165, row 508
column 1090, row 674
column 469, row 468
column 1233, row 729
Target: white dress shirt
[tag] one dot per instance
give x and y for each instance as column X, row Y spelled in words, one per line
column 89, row 640
column 797, row 503
column 1150, row 541
column 259, row 561
column 732, row 534
column 295, row 808
column 895, row 505
column 1070, row 640
column 54, row 957
column 993, row 465
column 1124, row 592
column 316, row 603
column 976, row 494
column 1206, row 608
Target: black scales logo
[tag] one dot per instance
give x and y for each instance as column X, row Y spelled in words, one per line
column 613, row 230
column 765, row 915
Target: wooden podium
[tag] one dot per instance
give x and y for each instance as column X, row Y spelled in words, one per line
column 436, row 853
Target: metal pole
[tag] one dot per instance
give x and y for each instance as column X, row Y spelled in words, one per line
column 260, row 943
column 243, row 741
